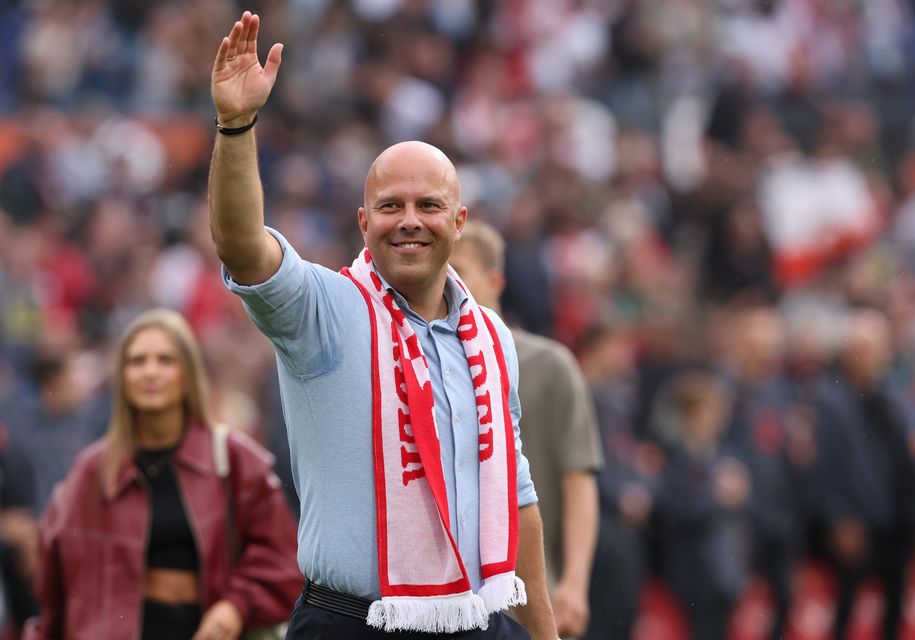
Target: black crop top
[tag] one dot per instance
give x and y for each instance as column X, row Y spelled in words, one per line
column 171, row 542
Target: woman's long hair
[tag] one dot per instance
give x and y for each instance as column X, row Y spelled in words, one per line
column 121, row 439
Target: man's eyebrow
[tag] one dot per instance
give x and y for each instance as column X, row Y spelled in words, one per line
column 441, row 196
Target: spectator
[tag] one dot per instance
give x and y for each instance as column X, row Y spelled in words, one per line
column 760, row 433
column 191, row 553
column 18, row 542
column 865, row 471
column 48, row 428
column 627, row 485
column 703, row 505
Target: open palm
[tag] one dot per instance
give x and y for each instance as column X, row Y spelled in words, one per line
column 240, row 86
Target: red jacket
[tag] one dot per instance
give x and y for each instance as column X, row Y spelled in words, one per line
column 93, row 542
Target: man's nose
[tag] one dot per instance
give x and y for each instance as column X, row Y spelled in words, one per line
column 410, row 220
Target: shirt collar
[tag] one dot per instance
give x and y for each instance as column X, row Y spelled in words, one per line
column 454, row 295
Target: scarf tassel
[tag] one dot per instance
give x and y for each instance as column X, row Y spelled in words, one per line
column 502, row 591
column 436, row 614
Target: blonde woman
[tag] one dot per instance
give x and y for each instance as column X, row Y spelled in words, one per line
column 134, row 543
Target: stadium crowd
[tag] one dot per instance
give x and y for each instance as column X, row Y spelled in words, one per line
column 712, row 203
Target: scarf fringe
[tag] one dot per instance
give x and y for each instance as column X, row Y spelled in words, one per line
column 435, row 614
column 502, row 591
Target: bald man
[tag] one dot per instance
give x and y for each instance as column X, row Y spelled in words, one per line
column 418, row 514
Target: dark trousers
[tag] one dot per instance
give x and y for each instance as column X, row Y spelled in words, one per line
column 20, row 600
column 888, row 561
column 309, row 622
column 775, row 561
column 709, row 618
column 170, row 621
column 616, row 580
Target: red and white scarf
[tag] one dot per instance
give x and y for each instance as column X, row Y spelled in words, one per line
column 424, row 585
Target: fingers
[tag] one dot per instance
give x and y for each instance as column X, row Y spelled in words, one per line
column 221, row 55
column 227, row 48
column 242, row 40
column 242, row 44
column 272, row 65
column 238, row 36
column 249, row 45
column 235, row 37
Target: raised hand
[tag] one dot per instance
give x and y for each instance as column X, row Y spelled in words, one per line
column 239, row 84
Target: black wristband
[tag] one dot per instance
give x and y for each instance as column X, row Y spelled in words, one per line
column 227, row 131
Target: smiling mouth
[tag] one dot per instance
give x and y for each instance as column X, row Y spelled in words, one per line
column 410, row 245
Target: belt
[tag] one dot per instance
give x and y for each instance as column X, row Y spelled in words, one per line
column 337, row 602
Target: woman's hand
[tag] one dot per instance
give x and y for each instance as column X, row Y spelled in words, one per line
column 239, row 85
column 222, row 621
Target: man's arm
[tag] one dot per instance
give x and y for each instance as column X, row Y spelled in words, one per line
column 579, row 540
column 537, row 615
column 240, row 86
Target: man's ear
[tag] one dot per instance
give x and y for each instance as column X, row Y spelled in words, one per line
column 459, row 221
column 363, row 221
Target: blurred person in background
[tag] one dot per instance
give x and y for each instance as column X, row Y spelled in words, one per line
column 703, row 504
column 18, row 542
column 53, row 423
column 759, row 433
column 560, row 435
column 134, row 542
column 865, row 470
column 627, row 484
column 398, row 389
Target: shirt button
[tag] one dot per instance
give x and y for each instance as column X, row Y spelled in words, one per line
column 464, row 518
column 457, row 419
column 447, row 371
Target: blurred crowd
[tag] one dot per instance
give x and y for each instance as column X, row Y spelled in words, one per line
column 711, row 202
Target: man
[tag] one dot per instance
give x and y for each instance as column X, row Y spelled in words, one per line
column 627, row 486
column 399, row 395
column 759, row 434
column 865, row 471
column 560, row 435
column 47, row 430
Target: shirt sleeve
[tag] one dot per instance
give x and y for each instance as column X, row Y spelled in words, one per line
column 298, row 309
column 527, row 495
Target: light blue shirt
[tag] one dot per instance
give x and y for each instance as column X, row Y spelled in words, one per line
column 318, row 323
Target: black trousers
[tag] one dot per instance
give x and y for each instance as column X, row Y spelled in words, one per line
column 170, row 621
column 709, row 619
column 309, row 622
column 888, row 561
column 775, row 556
